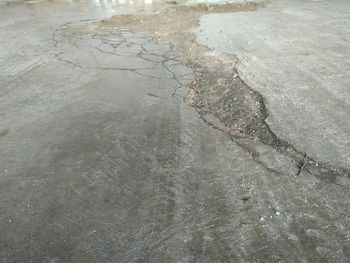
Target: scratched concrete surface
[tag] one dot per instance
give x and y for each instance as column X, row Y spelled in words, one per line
column 102, row 161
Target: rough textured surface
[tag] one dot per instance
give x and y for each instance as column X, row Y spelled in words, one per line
column 101, row 160
column 296, row 54
column 217, row 89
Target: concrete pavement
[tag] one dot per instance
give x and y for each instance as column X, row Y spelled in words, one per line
column 296, row 54
column 103, row 159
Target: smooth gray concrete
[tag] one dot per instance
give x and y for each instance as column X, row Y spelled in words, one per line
column 102, row 161
column 297, row 55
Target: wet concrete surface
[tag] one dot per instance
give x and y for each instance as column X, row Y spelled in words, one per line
column 101, row 159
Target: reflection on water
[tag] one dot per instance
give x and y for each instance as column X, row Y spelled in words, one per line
column 111, row 3
column 42, row 8
column 101, row 4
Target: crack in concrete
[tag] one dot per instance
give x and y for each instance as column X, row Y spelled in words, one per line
column 122, row 44
column 217, row 88
column 238, row 114
column 153, row 185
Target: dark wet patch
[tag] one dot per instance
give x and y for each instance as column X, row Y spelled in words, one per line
column 4, row 132
column 172, row 3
